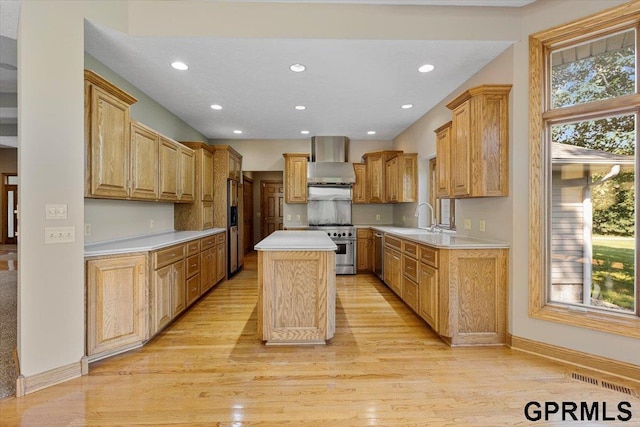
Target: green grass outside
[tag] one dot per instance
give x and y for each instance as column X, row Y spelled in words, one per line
column 614, row 269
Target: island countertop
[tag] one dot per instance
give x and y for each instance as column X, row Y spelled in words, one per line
column 294, row 240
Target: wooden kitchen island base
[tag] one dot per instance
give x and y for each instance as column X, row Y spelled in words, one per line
column 296, row 288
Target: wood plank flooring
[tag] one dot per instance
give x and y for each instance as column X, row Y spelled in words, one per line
column 384, row 367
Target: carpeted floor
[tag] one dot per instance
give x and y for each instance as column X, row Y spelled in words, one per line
column 8, row 319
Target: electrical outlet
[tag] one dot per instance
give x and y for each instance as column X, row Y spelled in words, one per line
column 152, row 223
column 59, row 235
column 467, row 224
column 87, row 229
column 288, row 217
column 404, row 218
column 297, row 217
column 482, row 225
column 377, row 217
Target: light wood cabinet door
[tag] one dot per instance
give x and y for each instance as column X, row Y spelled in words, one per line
column 144, row 162
column 391, row 180
column 359, row 190
column 295, row 171
column 178, row 289
column 161, row 298
column 169, row 169
column 443, row 161
column 375, row 181
column 480, row 142
column 363, row 255
column 428, row 294
column 207, row 269
column 235, row 167
column 187, row 175
column 408, row 178
column 116, row 304
column 221, row 262
column 461, row 152
column 193, row 289
column 207, row 176
column 109, row 137
column 207, row 215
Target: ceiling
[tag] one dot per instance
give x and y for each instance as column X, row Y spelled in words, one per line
column 350, row 87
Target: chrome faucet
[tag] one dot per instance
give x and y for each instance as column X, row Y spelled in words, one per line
column 433, row 215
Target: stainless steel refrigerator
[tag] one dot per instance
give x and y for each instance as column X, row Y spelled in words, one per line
column 232, row 228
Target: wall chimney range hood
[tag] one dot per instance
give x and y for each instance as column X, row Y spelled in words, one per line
column 329, row 161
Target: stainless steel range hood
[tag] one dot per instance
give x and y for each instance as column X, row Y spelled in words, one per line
column 329, row 161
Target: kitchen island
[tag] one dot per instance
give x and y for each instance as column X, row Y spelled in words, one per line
column 296, row 288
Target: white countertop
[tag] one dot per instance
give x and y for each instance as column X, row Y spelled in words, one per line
column 442, row 240
column 292, row 240
column 145, row 243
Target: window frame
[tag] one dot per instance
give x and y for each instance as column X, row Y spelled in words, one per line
column 541, row 117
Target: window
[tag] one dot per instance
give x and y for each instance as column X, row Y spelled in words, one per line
column 584, row 108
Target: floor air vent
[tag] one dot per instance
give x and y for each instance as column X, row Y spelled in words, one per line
column 605, row 384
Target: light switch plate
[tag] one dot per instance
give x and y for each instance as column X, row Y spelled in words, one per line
column 467, row 224
column 55, row 211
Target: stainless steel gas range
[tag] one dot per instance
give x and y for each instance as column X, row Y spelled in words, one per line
column 344, row 236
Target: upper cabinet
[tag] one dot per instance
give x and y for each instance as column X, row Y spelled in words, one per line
column 295, row 177
column 227, row 165
column 124, row 158
column 376, row 171
column 359, row 191
column 107, row 138
column 479, row 143
column 199, row 214
column 401, row 178
column 443, row 163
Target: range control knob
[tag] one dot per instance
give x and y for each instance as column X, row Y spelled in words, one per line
column 335, row 234
column 328, row 234
column 349, row 234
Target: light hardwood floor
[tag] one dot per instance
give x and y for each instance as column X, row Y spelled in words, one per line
column 383, row 367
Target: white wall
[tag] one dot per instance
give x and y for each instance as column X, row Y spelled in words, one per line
column 116, row 219
column 51, row 167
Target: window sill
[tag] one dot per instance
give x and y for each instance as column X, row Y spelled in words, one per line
column 627, row 325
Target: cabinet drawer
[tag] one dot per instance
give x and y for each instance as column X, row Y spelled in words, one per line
column 193, row 265
column 410, row 293
column 410, row 268
column 167, row 256
column 193, row 247
column 220, row 238
column 410, row 249
column 429, row 256
column 392, row 241
column 363, row 233
column 207, row 242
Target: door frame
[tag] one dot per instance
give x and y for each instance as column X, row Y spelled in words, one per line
column 5, row 176
column 248, row 216
column 262, row 205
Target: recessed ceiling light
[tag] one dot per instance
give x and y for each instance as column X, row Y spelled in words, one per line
column 304, row 132
column 180, row 66
column 407, row 106
column 237, row 132
column 426, row 68
column 297, row 68
column 300, row 107
column 371, row 132
column 216, row 107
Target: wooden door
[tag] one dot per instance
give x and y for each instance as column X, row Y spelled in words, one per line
column 247, row 214
column 144, row 162
column 9, row 210
column 272, row 193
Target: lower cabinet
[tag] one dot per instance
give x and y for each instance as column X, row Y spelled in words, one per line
column 460, row 293
column 364, row 248
column 116, row 304
column 130, row 298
